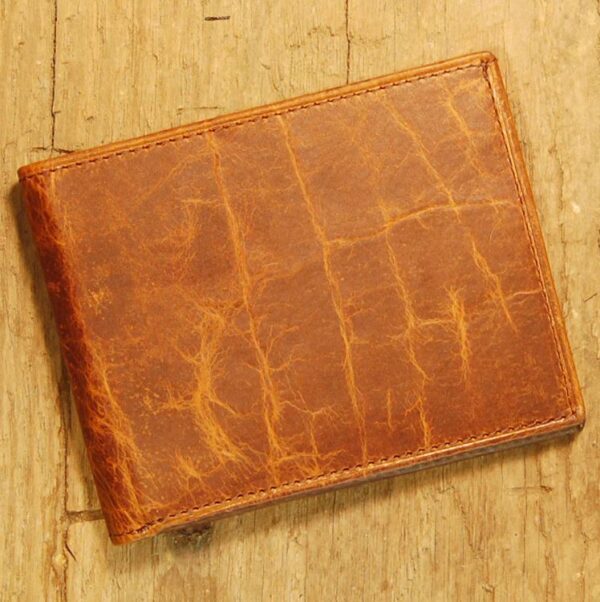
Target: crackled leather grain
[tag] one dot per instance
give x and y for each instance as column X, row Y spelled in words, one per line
column 301, row 298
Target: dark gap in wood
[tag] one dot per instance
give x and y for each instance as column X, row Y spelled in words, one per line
column 80, row 516
column 347, row 42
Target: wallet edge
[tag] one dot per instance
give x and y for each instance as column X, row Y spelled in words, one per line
column 532, row 219
column 106, row 151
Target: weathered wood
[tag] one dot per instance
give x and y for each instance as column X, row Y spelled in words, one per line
column 32, row 453
column 522, row 525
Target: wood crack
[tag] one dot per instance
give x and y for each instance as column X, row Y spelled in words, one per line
column 80, row 516
column 348, row 42
column 53, row 73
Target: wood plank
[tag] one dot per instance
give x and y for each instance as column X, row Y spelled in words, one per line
column 31, row 394
column 518, row 525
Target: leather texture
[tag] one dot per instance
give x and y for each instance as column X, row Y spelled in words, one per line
column 342, row 286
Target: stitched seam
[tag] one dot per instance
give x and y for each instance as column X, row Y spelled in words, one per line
column 248, row 120
column 350, row 469
column 360, row 467
column 532, row 245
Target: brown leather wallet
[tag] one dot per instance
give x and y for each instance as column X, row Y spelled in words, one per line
column 342, row 286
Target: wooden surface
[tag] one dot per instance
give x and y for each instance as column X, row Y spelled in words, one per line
column 522, row 525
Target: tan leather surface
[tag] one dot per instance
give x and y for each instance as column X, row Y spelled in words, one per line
column 324, row 290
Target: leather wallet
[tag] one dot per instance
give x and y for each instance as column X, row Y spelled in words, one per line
column 325, row 290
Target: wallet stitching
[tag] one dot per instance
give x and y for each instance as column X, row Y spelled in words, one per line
column 247, row 120
column 360, row 467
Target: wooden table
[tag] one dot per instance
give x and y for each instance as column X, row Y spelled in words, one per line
column 522, row 525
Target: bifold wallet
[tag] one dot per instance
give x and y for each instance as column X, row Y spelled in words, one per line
column 322, row 291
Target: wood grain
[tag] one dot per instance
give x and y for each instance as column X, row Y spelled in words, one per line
column 32, row 459
column 523, row 525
